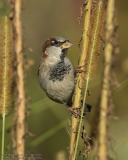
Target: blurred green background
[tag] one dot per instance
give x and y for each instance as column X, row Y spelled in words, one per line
column 47, row 120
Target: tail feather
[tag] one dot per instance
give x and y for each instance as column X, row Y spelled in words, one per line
column 87, row 108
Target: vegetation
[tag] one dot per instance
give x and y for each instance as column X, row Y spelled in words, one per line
column 37, row 127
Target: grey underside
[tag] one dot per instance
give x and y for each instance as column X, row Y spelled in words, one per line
column 58, row 81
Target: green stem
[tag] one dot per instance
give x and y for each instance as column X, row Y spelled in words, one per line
column 82, row 112
column 3, row 132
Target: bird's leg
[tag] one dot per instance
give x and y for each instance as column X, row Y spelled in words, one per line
column 75, row 111
column 79, row 69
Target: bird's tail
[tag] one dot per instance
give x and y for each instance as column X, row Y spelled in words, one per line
column 87, row 108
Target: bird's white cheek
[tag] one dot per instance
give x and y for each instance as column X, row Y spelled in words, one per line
column 54, row 59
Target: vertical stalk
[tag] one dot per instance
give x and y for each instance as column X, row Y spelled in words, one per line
column 88, row 61
column 80, row 80
column 20, row 106
column 80, row 123
column 102, row 147
column 3, row 132
column 6, row 70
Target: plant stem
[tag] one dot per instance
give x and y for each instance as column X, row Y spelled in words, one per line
column 19, row 119
column 102, row 147
column 6, row 70
column 88, row 59
column 3, row 132
column 80, row 80
column 82, row 112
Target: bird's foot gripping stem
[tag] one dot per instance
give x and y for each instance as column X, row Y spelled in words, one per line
column 75, row 111
column 79, row 69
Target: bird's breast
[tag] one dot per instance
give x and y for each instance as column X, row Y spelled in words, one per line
column 60, row 71
column 58, row 82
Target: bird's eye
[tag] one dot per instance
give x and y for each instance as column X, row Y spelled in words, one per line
column 56, row 42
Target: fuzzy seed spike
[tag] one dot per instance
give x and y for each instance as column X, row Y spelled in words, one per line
column 95, row 39
column 6, row 42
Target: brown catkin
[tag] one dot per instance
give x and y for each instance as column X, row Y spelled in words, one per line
column 95, row 35
column 6, row 41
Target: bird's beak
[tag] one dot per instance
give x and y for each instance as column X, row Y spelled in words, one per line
column 67, row 44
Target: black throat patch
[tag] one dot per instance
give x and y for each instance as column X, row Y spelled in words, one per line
column 58, row 72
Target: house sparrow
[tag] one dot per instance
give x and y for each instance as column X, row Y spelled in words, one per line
column 56, row 74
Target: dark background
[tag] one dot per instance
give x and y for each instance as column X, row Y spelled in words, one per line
column 43, row 19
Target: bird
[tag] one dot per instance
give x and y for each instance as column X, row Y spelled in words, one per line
column 56, row 73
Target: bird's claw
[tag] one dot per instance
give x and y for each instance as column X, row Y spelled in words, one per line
column 79, row 70
column 75, row 111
